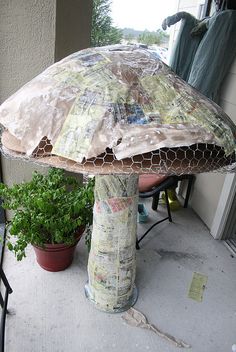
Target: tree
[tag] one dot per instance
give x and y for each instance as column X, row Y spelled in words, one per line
column 151, row 38
column 129, row 37
column 103, row 33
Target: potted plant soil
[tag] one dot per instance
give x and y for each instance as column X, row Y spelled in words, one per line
column 51, row 212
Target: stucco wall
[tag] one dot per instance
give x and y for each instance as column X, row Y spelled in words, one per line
column 31, row 32
column 73, row 22
column 27, row 36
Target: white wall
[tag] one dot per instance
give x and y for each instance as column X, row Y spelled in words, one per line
column 228, row 103
column 208, row 187
column 190, row 6
column 228, row 93
column 205, row 196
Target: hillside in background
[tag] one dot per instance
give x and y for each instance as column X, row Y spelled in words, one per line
column 157, row 37
column 131, row 32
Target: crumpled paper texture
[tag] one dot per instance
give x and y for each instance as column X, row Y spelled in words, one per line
column 135, row 318
column 112, row 258
column 117, row 97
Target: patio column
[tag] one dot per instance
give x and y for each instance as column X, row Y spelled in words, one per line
column 73, row 26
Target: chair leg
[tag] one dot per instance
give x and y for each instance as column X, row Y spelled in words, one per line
column 3, row 303
column 168, row 206
column 155, row 201
column 1, row 300
column 150, row 228
column 190, row 182
column 170, row 182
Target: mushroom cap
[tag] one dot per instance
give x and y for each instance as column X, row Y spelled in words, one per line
column 116, row 109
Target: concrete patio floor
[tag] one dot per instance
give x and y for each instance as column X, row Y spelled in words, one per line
column 49, row 311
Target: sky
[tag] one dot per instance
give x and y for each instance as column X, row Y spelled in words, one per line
column 141, row 14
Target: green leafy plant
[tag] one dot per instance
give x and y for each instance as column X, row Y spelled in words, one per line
column 47, row 209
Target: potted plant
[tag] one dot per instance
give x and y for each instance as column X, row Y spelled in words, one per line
column 50, row 212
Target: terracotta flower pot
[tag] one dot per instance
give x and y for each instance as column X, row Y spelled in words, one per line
column 56, row 257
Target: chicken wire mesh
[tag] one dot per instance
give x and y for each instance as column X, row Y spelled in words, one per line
column 116, row 110
column 167, row 161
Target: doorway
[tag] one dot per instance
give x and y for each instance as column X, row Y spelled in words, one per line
column 224, row 223
column 229, row 233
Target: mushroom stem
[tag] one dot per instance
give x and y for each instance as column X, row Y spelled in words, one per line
column 112, row 258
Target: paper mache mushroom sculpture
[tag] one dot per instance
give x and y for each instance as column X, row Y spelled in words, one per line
column 116, row 112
